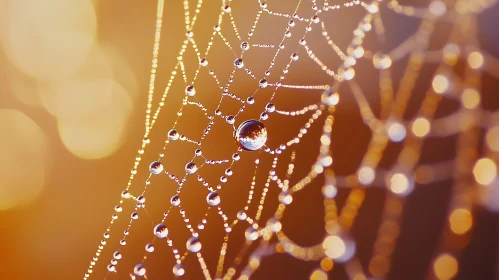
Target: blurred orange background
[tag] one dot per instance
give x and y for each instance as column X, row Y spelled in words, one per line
column 74, row 78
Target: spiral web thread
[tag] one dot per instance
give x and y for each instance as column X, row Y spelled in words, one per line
column 470, row 173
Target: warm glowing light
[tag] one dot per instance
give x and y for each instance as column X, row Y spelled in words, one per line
column 318, row 274
column 55, row 41
column 366, row 175
column 396, row 131
column 334, row 247
column 470, row 98
column 437, row 8
column 23, row 159
column 400, row 184
column 445, row 267
column 475, row 60
column 460, row 220
column 440, row 84
column 327, row 264
column 485, row 171
column 379, row 266
column 420, row 127
column 492, row 138
column 92, row 116
column 451, row 53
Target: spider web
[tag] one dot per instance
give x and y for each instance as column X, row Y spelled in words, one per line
column 202, row 94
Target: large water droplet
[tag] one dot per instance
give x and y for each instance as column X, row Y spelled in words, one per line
column 191, row 168
column 251, row 135
column 193, row 244
column 213, row 199
column 175, row 200
column 156, row 167
column 161, row 231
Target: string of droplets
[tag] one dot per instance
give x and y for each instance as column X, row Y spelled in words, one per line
column 389, row 127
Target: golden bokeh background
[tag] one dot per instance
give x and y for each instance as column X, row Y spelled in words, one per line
column 74, row 77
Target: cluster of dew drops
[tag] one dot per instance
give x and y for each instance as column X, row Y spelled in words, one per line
column 251, row 135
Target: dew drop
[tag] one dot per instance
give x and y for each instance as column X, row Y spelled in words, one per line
column 160, row 231
column 251, row 234
column 190, row 90
column 251, row 135
column 203, row 62
column 173, row 135
column 213, row 199
column 175, row 200
column 198, row 152
column 150, row 248
column 193, row 244
column 156, row 167
column 111, row 268
column 250, row 100
column 117, row 255
column 241, row 215
column 270, row 107
column 191, row 168
column 263, row 83
column 245, row 46
column 139, row 270
column 230, row 119
column 239, row 63
column 178, row 270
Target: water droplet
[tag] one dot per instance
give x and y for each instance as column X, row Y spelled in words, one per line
column 191, row 168
column 122, row 242
column 189, row 34
column 213, row 199
column 264, row 116
column 251, row 234
column 150, row 248
column 230, row 119
column 216, row 28
column 178, row 270
column 139, row 270
column 203, row 62
column 111, row 268
column 245, row 46
column 382, row 61
column 274, row 224
column 291, row 23
column 173, row 135
column 118, row 208
column 141, row 199
column 190, row 90
column 294, row 57
column 117, row 255
column 285, row 198
column 315, row 19
column 263, row 83
column 227, row 9
column 270, row 107
column 175, row 200
column 239, row 63
column 330, row 98
column 160, row 231
column 156, row 167
column 250, row 100
column 236, row 157
column 251, row 135
column 134, row 216
column 228, row 172
column 193, row 244
column 241, row 215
